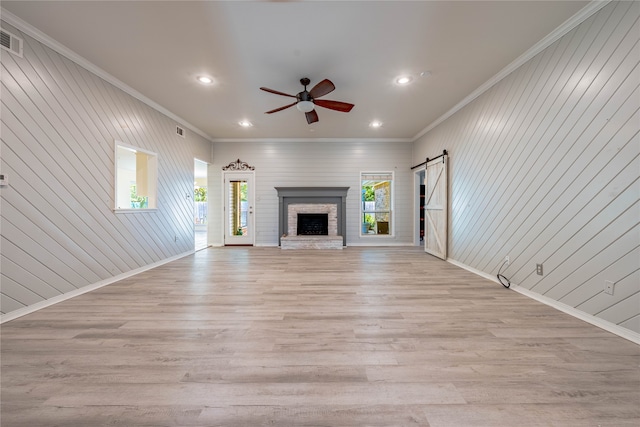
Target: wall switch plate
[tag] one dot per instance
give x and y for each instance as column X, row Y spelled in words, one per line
column 539, row 269
column 507, row 260
column 608, row 287
column 4, row 179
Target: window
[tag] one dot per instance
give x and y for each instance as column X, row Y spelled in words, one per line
column 136, row 178
column 377, row 203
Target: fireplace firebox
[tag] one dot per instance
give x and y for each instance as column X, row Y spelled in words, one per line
column 313, row 224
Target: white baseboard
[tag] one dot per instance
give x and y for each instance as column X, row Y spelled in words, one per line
column 83, row 290
column 352, row 244
column 589, row 318
column 603, row 324
column 373, row 244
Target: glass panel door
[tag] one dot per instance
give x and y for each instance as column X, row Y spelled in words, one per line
column 239, row 219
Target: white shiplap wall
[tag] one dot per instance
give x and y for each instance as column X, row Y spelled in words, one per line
column 544, row 168
column 316, row 164
column 59, row 231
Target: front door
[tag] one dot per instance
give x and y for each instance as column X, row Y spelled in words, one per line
column 239, row 208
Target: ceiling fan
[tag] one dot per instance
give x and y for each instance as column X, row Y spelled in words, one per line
column 306, row 100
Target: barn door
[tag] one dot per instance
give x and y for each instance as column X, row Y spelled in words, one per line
column 436, row 207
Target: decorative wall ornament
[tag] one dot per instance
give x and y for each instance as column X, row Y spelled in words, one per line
column 238, row 165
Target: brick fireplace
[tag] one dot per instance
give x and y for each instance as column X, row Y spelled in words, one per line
column 312, row 200
column 294, row 210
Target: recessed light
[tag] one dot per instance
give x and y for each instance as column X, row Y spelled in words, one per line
column 404, row 80
column 245, row 123
column 205, row 80
column 375, row 124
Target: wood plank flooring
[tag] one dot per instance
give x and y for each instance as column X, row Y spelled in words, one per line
column 359, row 337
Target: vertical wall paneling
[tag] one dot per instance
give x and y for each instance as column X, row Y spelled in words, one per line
column 545, row 169
column 59, row 229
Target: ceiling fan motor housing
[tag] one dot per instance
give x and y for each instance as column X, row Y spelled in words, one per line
column 305, row 101
column 304, row 96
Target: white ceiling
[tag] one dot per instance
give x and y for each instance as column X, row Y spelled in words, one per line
column 159, row 48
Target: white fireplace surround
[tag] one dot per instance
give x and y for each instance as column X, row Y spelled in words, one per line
column 312, row 208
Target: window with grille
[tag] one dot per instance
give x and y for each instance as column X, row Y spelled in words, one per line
column 376, row 208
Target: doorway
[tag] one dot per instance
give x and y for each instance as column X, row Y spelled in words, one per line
column 239, row 222
column 200, row 204
column 418, row 227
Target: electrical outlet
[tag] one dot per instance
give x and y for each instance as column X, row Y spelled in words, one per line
column 539, row 269
column 608, row 287
column 507, row 260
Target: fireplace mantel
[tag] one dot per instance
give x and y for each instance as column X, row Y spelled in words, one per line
column 298, row 195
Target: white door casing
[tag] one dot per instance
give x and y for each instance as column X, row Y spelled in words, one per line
column 239, row 208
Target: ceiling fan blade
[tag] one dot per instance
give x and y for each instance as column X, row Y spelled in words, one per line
column 281, row 108
column 345, row 107
column 322, row 88
column 312, row 116
column 266, row 89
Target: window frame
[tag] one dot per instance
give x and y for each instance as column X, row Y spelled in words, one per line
column 391, row 211
column 154, row 178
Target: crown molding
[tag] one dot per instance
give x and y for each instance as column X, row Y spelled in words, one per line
column 400, row 140
column 581, row 16
column 43, row 38
column 547, row 41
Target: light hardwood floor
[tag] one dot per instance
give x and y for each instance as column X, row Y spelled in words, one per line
column 359, row 337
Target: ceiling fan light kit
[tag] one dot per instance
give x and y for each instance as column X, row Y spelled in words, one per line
column 307, row 100
column 305, row 106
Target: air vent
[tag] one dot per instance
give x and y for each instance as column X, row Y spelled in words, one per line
column 180, row 131
column 11, row 43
